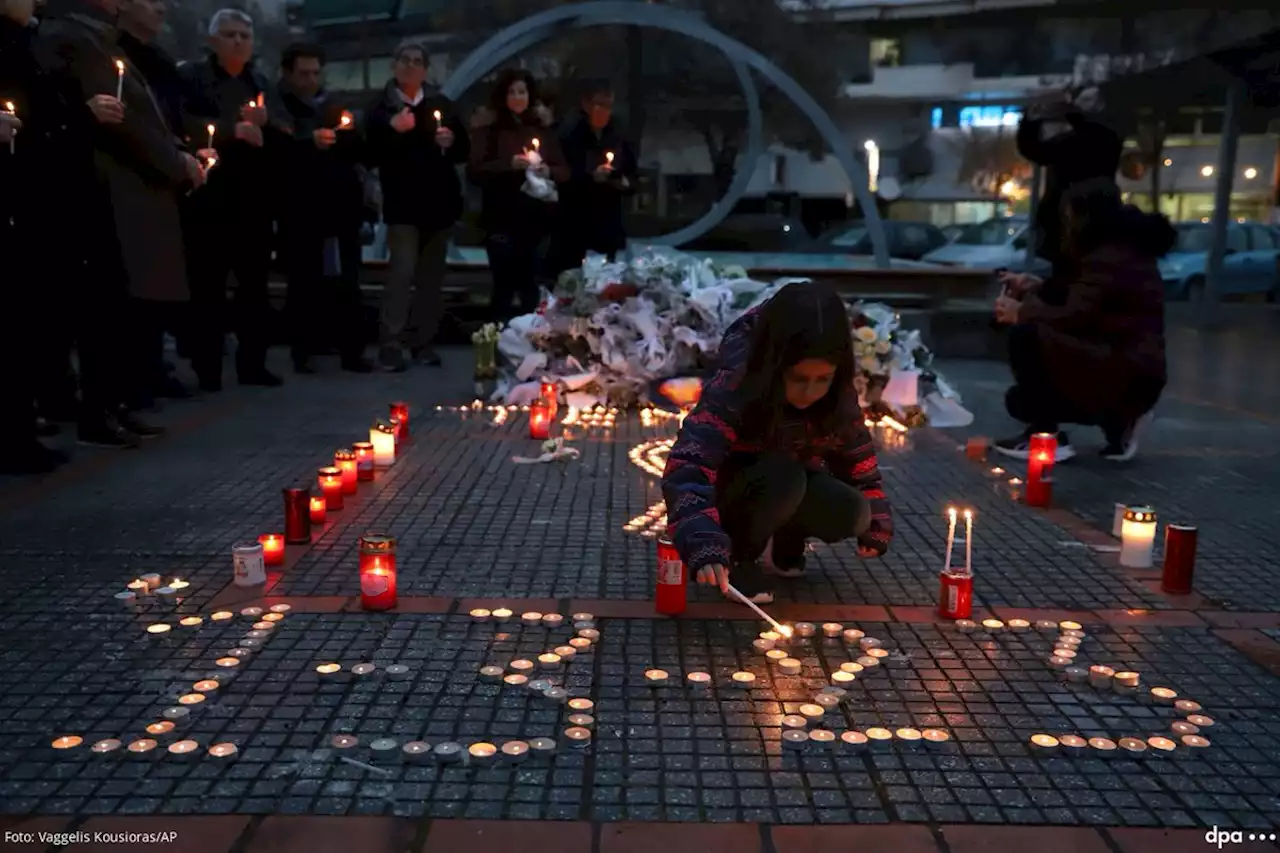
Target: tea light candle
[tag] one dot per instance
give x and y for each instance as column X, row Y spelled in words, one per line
column 482, row 753
column 578, row 737
column 1073, row 634
column 878, row 654
column 1100, row 676
column 1076, row 674
column 328, row 668
column 555, row 695
column 191, row 699
column 581, row 644
column 879, row 736
column 363, row 669
column 1163, row 695
column 586, row 721
column 869, row 643
column 822, row 737
column 1046, row 625
column 539, row 685
column 590, row 634
column 1103, row 747
column 811, row 711
column 1182, row 727
column 1067, row 643
column 1044, row 743
column 775, row 655
column 533, row 617
column 966, row 626
column 263, row 628
column 105, row 747
column 699, row 679
column 832, row 629
column 908, row 735
column 515, row 751
column 1132, row 747
column 993, row 626
column 584, row 617
column 1162, row 745
column 167, row 595
column 515, row 679
column 1200, row 720
column 239, row 653
column 1187, row 706
column 447, row 752
column 501, row 614
column 853, row 740
column 1073, row 744
column 853, row 636
column 222, row 616
column 656, row 677
column 1068, row 625
column 491, row 674
column 552, row 620
column 159, row 629
column 1195, row 741
column 840, row 678
column 581, row 704
column 935, row 736
column 206, row 685
column 794, row 739
column 852, row 667
column 191, row 621
column 152, row 580
column 67, row 742
column 138, row 587
column 251, row 612
column 549, row 661
column 542, row 746
column 1019, row 625
column 183, row 748
column 480, row 615
column 416, row 751
column 1060, row 661
column 759, row 645
column 1125, row 682
column 160, row 727
column 142, row 748
column 397, row 672
column 805, row 629
column 227, row 662
column 743, row 679
column 275, row 616
column 521, row 665
column 789, row 666
column 867, row 661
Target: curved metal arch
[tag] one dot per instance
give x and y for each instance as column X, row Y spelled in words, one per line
column 468, row 75
column 604, row 12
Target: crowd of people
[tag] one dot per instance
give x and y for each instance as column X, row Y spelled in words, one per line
column 137, row 188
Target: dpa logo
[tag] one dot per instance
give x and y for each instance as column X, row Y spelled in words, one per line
column 1221, row 837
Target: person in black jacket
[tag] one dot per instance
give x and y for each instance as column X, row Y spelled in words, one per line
column 602, row 171
column 316, row 151
column 228, row 226
column 415, row 141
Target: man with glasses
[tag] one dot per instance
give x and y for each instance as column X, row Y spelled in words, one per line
column 415, row 141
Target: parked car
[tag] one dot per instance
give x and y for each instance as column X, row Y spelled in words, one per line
column 999, row 243
column 951, row 232
column 1251, row 264
column 754, row 232
column 910, row 240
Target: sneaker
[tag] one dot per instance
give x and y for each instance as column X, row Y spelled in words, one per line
column 131, row 423
column 747, row 578
column 787, row 556
column 1020, row 447
column 106, row 432
column 1124, row 447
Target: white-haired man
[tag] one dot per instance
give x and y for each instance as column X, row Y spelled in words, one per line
column 229, row 222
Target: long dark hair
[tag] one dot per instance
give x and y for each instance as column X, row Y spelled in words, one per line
column 1094, row 214
column 503, row 116
column 803, row 320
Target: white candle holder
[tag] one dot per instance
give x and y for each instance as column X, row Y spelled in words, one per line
column 1137, row 537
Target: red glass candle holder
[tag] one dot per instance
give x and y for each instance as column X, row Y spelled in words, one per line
column 272, row 549
column 297, row 518
column 330, row 480
column 317, row 510
column 345, row 461
column 377, row 572
column 1179, row 559
column 540, row 420
column 400, row 414
column 548, row 390
column 1043, row 451
column 397, row 430
column 364, row 460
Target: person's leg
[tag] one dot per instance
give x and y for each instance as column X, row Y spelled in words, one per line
column 1123, row 429
column 428, row 297
column 1032, row 398
column 403, row 243
column 207, row 252
column 526, row 268
column 500, row 250
column 101, row 320
column 304, row 265
column 348, row 302
column 252, row 307
column 832, row 511
column 757, row 502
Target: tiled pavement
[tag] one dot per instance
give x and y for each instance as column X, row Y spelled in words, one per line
column 668, row 766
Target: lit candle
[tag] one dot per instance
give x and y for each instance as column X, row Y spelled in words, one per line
column 328, row 668
column 789, row 666
column 364, row 460
column 583, row 617
column 1195, row 741
column 743, row 679
column 966, row 626
column 540, row 416
column 582, row 644
column 491, row 674
column 522, row 666
column 795, row 739
column 935, row 736
column 608, row 159
column 531, row 618
column 515, row 679
column 1125, row 683
column 1019, row 625
column 811, row 711
column 482, row 753
column 853, row 740
column 1058, row 662
column 191, row 621
column 227, row 663
column 317, row 510
column 159, row 629
column 382, row 436
column 345, row 461
column 1187, row 706
column 138, row 587
column 119, row 80
column 1133, row 747
column 501, row 614
column 549, row 661
column 251, row 612
column 1072, row 643
column 436, row 115
column 852, row 667
column 1065, row 654
column 552, row 620
column 1182, row 727
column 211, row 129
column 1163, row 695
column 578, row 737
column 567, row 653
column 590, row 634
column 152, row 581
column 1046, row 625
column 1042, row 455
column 67, row 742
column 775, row 655
column 344, row 741
column 868, row 661
column 272, row 549
column 852, row 636
column 586, row 721
column 514, row 751
column 832, row 630
column 822, row 737
column 993, row 626
column 191, row 699
column 142, row 748
column 330, row 482
column 879, row 736
column 909, row 735
column 1044, row 743
column 363, row 669
column 346, row 120
column 841, row 678
column 758, row 644
column 1200, row 720
column 1137, row 537
column 1015, row 489
column 183, row 748
column 377, row 572
column 581, row 704
column 869, row 643
column 767, row 640
column 542, row 746
column 12, row 110
column 805, row 629
column 1101, row 676
column 480, row 615
column 1073, row 744
column 1161, row 744
column 1069, row 626
column 1103, row 747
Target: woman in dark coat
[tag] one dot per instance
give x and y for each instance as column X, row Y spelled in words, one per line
column 1098, row 357
column 515, row 223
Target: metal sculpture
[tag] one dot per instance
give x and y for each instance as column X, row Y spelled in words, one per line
column 545, row 25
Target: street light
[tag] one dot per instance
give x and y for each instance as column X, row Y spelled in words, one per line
column 1206, row 171
column 1250, row 173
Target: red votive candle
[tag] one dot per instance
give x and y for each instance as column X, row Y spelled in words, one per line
column 272, row 549
column 346, row 462
column 400, row 413
column 317, row 510
column 297, row 520
column 548, row 391
column 1043, row 451
column 1179, row 559
column 330, row 480
column 540, row 419
column 364, row 460
column 377, row 572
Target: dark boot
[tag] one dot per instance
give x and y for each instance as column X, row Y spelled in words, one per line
column 105, row 431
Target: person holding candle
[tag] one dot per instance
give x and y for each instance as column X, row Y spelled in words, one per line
column 1095, row 354
column 515, row 223
column 416, row 142
column 315, row 147
column 777, row 448
column 602, row 171
column 229, row 223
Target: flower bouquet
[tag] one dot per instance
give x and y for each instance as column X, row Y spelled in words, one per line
column 485, row 340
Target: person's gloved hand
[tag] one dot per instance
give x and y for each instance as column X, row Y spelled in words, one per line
column 715, row 573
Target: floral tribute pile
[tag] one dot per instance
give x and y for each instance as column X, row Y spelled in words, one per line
column 611, row 330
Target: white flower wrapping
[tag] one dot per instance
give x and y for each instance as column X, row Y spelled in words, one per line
column 536, row 186
column 621, row 326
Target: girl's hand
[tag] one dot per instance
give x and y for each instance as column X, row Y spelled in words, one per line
column 714, row 574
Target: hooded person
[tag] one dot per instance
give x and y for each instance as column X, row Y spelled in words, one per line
column 1095, row 353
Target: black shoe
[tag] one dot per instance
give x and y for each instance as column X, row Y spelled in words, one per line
column 30, row 457
column 747, row 577
column 260, row 377
column 357, row 364
column 392, row 360
column 1019, row 447
column 426, row 356
column 106, row 432
column 304, row 365
column 1123, row 446
column 130, row 423
column 788, row 555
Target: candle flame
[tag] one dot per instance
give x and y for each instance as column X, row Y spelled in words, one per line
column 211, row 129
column 786, row 630
column 951, row 512
column 10, row 108
column 261, row 99
column 345, row 120
column 120, row 67
column 536, row 144
column 436, row 115
column 608, row 157
column 968, row 515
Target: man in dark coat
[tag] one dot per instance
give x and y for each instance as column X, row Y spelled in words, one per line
column 1073, row 144
column 229, row 221
column 416, row 142
column 134, row 241
column 602, row 166
column 316, row 152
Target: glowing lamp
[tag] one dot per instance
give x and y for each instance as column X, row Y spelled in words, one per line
column 1043, row 451
column 377, row 572
column 540, row 415
column 364, row 460
column 272, row 549
column 383, row 438
column 345, row 461
column 1137, row 537
column 330, row 480
column 317, row 510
